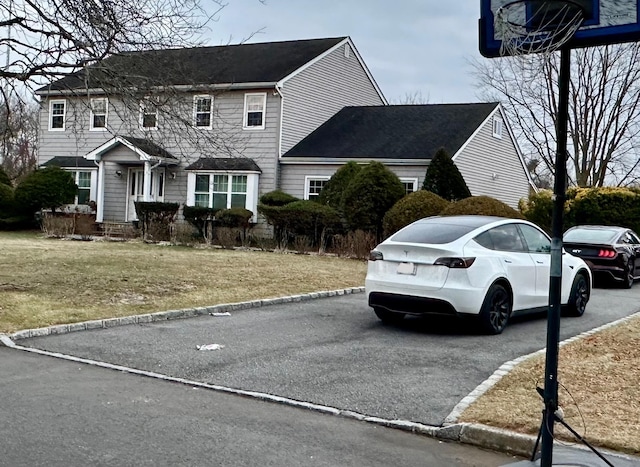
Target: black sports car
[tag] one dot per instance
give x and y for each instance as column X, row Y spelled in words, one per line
column 611, row 252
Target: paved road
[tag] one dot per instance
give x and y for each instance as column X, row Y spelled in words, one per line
column 59, row 413
column 334, row 352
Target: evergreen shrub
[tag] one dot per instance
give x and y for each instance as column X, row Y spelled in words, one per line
column 412, row 207
column 483, row 206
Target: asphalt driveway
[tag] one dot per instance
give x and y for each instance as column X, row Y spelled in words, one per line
column 333, row 352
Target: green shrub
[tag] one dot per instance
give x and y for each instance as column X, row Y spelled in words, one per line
column 412, row 207
column 156, row 219
column 605, row 206
column 481, row 205
column 313, row 220
column 444, row 179
column 202, row 219
column 47, row 188
column 371, row 193
column 538, row 209
column 277, row 198
column 6, row 200
column 234, row 217
column 331, row 194
column 4, row 178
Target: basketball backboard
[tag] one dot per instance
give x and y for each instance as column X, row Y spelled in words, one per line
column 606, row 22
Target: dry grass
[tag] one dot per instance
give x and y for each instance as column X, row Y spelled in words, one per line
column 599, row 393
column 51, row 281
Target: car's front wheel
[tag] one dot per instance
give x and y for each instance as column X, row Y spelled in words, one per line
column 496, row 310
column 579, row 297
column 388, row 317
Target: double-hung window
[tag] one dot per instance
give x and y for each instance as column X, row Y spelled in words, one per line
column 254, row 110
column 497, row 127
column 98, row 117
column 203, row 110
column 410, row 185
column 313, row 186
column 83, row 180
column 220, row 191
column 148, row 114
column 57, row 114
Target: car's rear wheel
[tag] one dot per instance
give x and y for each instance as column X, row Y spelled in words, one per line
column 627, row 282
column 496, row 310
column 580, row 293
column 388, row 317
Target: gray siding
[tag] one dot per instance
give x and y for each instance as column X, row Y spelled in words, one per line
column 491, row 166
column 315, row 94
column 115, row 193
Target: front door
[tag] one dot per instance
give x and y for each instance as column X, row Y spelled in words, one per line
column 136, row 189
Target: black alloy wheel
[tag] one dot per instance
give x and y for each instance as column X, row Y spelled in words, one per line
column 579, row 296
column 629, row 272
column 496, row 310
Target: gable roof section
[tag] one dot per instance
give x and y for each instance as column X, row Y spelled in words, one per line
column 242, row 164
column 407, row 132
column 264, row 63
column 145, row 149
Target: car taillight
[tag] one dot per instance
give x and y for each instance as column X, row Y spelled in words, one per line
column 458, row 263
column 375, row 255
column 606, row 253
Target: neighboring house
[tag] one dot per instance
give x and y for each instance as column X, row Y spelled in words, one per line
column 202, row 126
column 405, row 138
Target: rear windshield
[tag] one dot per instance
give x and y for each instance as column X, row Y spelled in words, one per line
column 431, row 232
column 590, row 236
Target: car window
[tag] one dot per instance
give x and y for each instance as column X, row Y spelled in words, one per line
column 586, row 235
column 503, row 238
column 630, row 238
column 537, row 241
column 432, row 232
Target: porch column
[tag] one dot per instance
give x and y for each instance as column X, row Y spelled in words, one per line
column 146, row 196
column 100, row 193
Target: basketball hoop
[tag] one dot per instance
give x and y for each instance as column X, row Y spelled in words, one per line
column 537, row 26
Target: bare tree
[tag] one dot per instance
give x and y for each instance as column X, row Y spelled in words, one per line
column 413, row 98
column 18, row 133
column 604, row 110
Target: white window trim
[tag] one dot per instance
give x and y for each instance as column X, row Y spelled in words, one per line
column 143, row 106
column 195, row 111
column 64, row 114
column 307, row 182
column 497, row 127
column 251, row 200
column 91, row 114
column 246, row 111
column 92, row 186
column 413, row 181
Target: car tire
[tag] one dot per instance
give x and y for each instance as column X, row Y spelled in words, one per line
column 388, row 317
column 628, row 278
column 579, row 296
column 496, row 310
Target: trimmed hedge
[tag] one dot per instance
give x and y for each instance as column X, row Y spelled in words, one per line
column 47, row 188
column 483, row 206
column 331, row 194
column 234, row 217
column 156, row 219
column 277, row 198
column 412, row 207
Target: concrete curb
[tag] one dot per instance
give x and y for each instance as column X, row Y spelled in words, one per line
column 176, row 314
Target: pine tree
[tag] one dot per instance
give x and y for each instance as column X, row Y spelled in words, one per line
column 444, row 179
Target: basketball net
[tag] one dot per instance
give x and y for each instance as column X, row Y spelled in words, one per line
column 536, row 26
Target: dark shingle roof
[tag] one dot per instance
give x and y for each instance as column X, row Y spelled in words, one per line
column 222, row 163
column 149, row 147
column 394, row 131
column 245, row 63
column 68, row 162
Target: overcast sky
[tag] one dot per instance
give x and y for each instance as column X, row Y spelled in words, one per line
column 410, row 46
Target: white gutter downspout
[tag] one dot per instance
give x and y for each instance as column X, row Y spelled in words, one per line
column 278, row 90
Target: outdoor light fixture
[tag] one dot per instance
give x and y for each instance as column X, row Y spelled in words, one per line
column 118, row 173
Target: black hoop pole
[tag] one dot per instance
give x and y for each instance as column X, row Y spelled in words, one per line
column 555, row 280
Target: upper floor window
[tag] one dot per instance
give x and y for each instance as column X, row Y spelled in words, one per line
column 148, row 114
column 98, row 113
column 410, row 185
column 57, row 114
column 254, row 110
column 497, row 127
column 313, row 186
column 203, row 109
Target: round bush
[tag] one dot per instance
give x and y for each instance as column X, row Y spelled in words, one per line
column 414, row 206
column 47, row 188
column 234, row 217
column 483, row 206
column 6, row 200
column 277, row 198
column 331, row 194
column 538, row 208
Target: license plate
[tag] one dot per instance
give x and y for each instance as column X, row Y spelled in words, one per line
column 407, row 268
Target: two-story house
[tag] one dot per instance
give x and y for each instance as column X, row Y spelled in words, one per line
column 202, row 126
